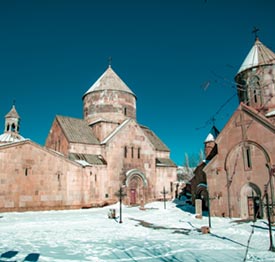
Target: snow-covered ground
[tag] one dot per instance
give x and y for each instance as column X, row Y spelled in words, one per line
column 154, row 234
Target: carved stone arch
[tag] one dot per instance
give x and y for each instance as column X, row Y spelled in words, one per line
column 202, row 193
column 135, row 172
column 242, row 144
column 137, row 187
column 251, row 201
column 233, row 183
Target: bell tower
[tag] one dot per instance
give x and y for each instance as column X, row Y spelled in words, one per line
column 12, row 121
column 12, row 126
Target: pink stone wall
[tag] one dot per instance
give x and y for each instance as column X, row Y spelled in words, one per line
column 32, row 178
column 103, row 129
column 229, row 166
column 56, row 139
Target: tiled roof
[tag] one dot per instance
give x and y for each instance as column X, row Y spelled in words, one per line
column 109, row 80
column 88, row 158
column 77, row 130
column 165, row 162
column 157, row 143
column 258, row 55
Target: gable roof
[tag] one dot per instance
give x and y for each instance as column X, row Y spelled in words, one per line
column 157, row 143
column 258, row 55
column 44, row 149
column 87, row 159
column 77, row 130
column 153, row 138
column 109, row 80
column 253, row 113
column 165, row 162
column 116, row 130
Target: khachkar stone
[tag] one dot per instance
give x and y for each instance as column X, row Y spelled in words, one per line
column 198, row 204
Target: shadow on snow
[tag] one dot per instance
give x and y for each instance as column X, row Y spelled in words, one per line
column 32, row 257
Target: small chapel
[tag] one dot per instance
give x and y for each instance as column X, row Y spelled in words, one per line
column 237, row 175
column 86, row 162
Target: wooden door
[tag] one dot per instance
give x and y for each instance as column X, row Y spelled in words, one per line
column 133, row 196
column 250, row 202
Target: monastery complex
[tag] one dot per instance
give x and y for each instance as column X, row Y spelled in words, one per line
column 85, row 162
column 237, row 176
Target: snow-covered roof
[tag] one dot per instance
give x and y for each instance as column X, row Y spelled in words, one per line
column 116, row 131
column 83, row 162
column 109, row 80
column 214, row 132
column 10, row 137
column 209, row 138
column 271, row 113
column 258, row 55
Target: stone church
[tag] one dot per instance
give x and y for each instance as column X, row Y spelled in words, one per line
column 85, row 162
column 240, row 160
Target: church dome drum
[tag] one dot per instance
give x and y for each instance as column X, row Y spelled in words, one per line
column 256, row 77
column 110, row 99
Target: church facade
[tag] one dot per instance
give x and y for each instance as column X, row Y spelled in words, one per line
column 85, row 162
column 240, row 161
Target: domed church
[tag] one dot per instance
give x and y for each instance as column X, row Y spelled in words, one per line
column 240, row 161
column 85, row 162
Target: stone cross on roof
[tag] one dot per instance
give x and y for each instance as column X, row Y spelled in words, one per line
column 255, row 31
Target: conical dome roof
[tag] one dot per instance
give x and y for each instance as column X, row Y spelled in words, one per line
column 258, row 55
column 13, row 113
column 109, row 80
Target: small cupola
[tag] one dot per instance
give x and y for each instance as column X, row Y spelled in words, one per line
column 12, row 123
column 210, row 141
column 12, row 126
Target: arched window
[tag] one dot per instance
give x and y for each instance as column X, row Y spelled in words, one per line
column 247, row 157
column 255, row 88
column 132, row 152
column 138, row 156
column 13, row 127
column 125, row 151
column 85, row 112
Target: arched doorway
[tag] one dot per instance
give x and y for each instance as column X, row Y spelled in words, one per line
column 202, row 193
column 136, row 184
column 251, row 204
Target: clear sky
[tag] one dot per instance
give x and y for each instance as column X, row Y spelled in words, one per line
column 178, row 56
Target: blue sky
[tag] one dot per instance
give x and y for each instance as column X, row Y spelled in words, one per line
column 179, row 57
